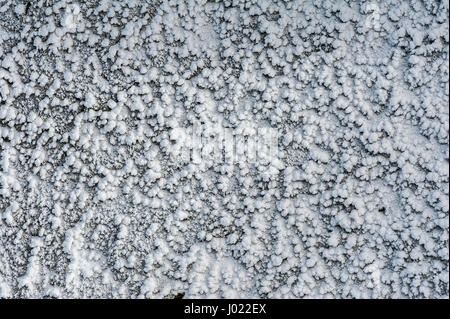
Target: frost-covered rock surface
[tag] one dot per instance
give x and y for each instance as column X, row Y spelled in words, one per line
column 98, row 97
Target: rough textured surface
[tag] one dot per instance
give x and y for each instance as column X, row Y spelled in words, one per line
column 96, row 99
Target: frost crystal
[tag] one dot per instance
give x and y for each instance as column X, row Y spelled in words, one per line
column 229, row 149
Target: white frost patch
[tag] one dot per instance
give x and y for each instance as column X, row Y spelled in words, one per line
column 224, row 149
